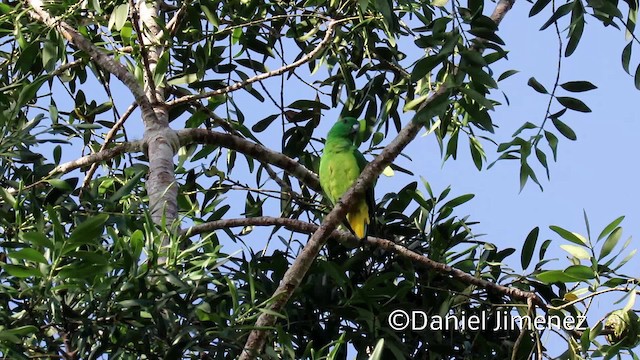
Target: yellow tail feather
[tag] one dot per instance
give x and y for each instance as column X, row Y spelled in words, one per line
column 358, row 219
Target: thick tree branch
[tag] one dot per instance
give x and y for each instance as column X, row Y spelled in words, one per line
column 104, row 155
column 99, row 57
column 388, row 245
column 293, row 277
column 241, row 84
column 203, row 136
column 257, row 151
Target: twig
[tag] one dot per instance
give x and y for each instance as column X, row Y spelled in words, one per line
column 137, row 24
column 118, row 70
column 204, row 136
column 257, row 151
column 241, row 84
column 108, row 138
column 388, row 245
column 107, row 154
column 524, row 330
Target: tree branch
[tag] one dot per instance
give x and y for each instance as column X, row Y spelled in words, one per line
column 100, row 58
column 103, row 155
column 388, row 245
column 257, row 151
column 204, row 136
column 107, row 140
column 294, row 275
column 241, row 84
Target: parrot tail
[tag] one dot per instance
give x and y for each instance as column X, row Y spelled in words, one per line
column 359, row 219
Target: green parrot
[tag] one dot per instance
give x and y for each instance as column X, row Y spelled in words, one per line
column 340, row 165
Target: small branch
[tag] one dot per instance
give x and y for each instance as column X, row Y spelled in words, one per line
column 107, row 140
column 388, row 245
column 204, row 136
column 257, row 151
column 592, row 295
column 523, row 331
column 241, row 84
column 172, row 25
column 67, row 66
column 96, row 55
column 108, row 154
column 137, row 24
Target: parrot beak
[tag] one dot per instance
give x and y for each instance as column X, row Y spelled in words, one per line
column 355, row 129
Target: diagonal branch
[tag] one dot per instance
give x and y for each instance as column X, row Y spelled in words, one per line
column 294, row 275
column 257, row 151
column 203, row 136
column 241, row 84
column 102, row 59
column 103, row 155
column 388, row 245
column 107, row 140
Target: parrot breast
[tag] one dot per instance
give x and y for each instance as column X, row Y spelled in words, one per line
column 338, row 171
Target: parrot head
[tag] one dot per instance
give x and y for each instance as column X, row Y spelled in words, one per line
column 347, row 127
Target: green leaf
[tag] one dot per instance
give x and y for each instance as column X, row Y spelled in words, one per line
column 477, row 97
column 552, row 140
column 37, row 238
column 626, row 57
column 50, row 52
column 21, row 271
column 161, row 68
column 525, row 173
column 308, row 104
column 7, row 197
column 562, row 11
column 458, row 201
column 554, row 276
column 477, row 152
column 59, row 184
column 538, row 6
column 580, row 272
column 119, row 16
column 184, row 79
column 564, row 129
column 576, row 251
column 570, row 236
column 378, row 350
column 29, row 92
column 610, row 243
column 126, row 188
column 529, row 247
column 28, row 254
column 88, row 230
column 543, row 249
column 537, row 86
column 609, row 228
column 573, row 104
column 578, row 86
column 507, row 74
column 632, row 301
column 263, row 124
column 574, row 39
column 424, row 66
column 636, row 78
